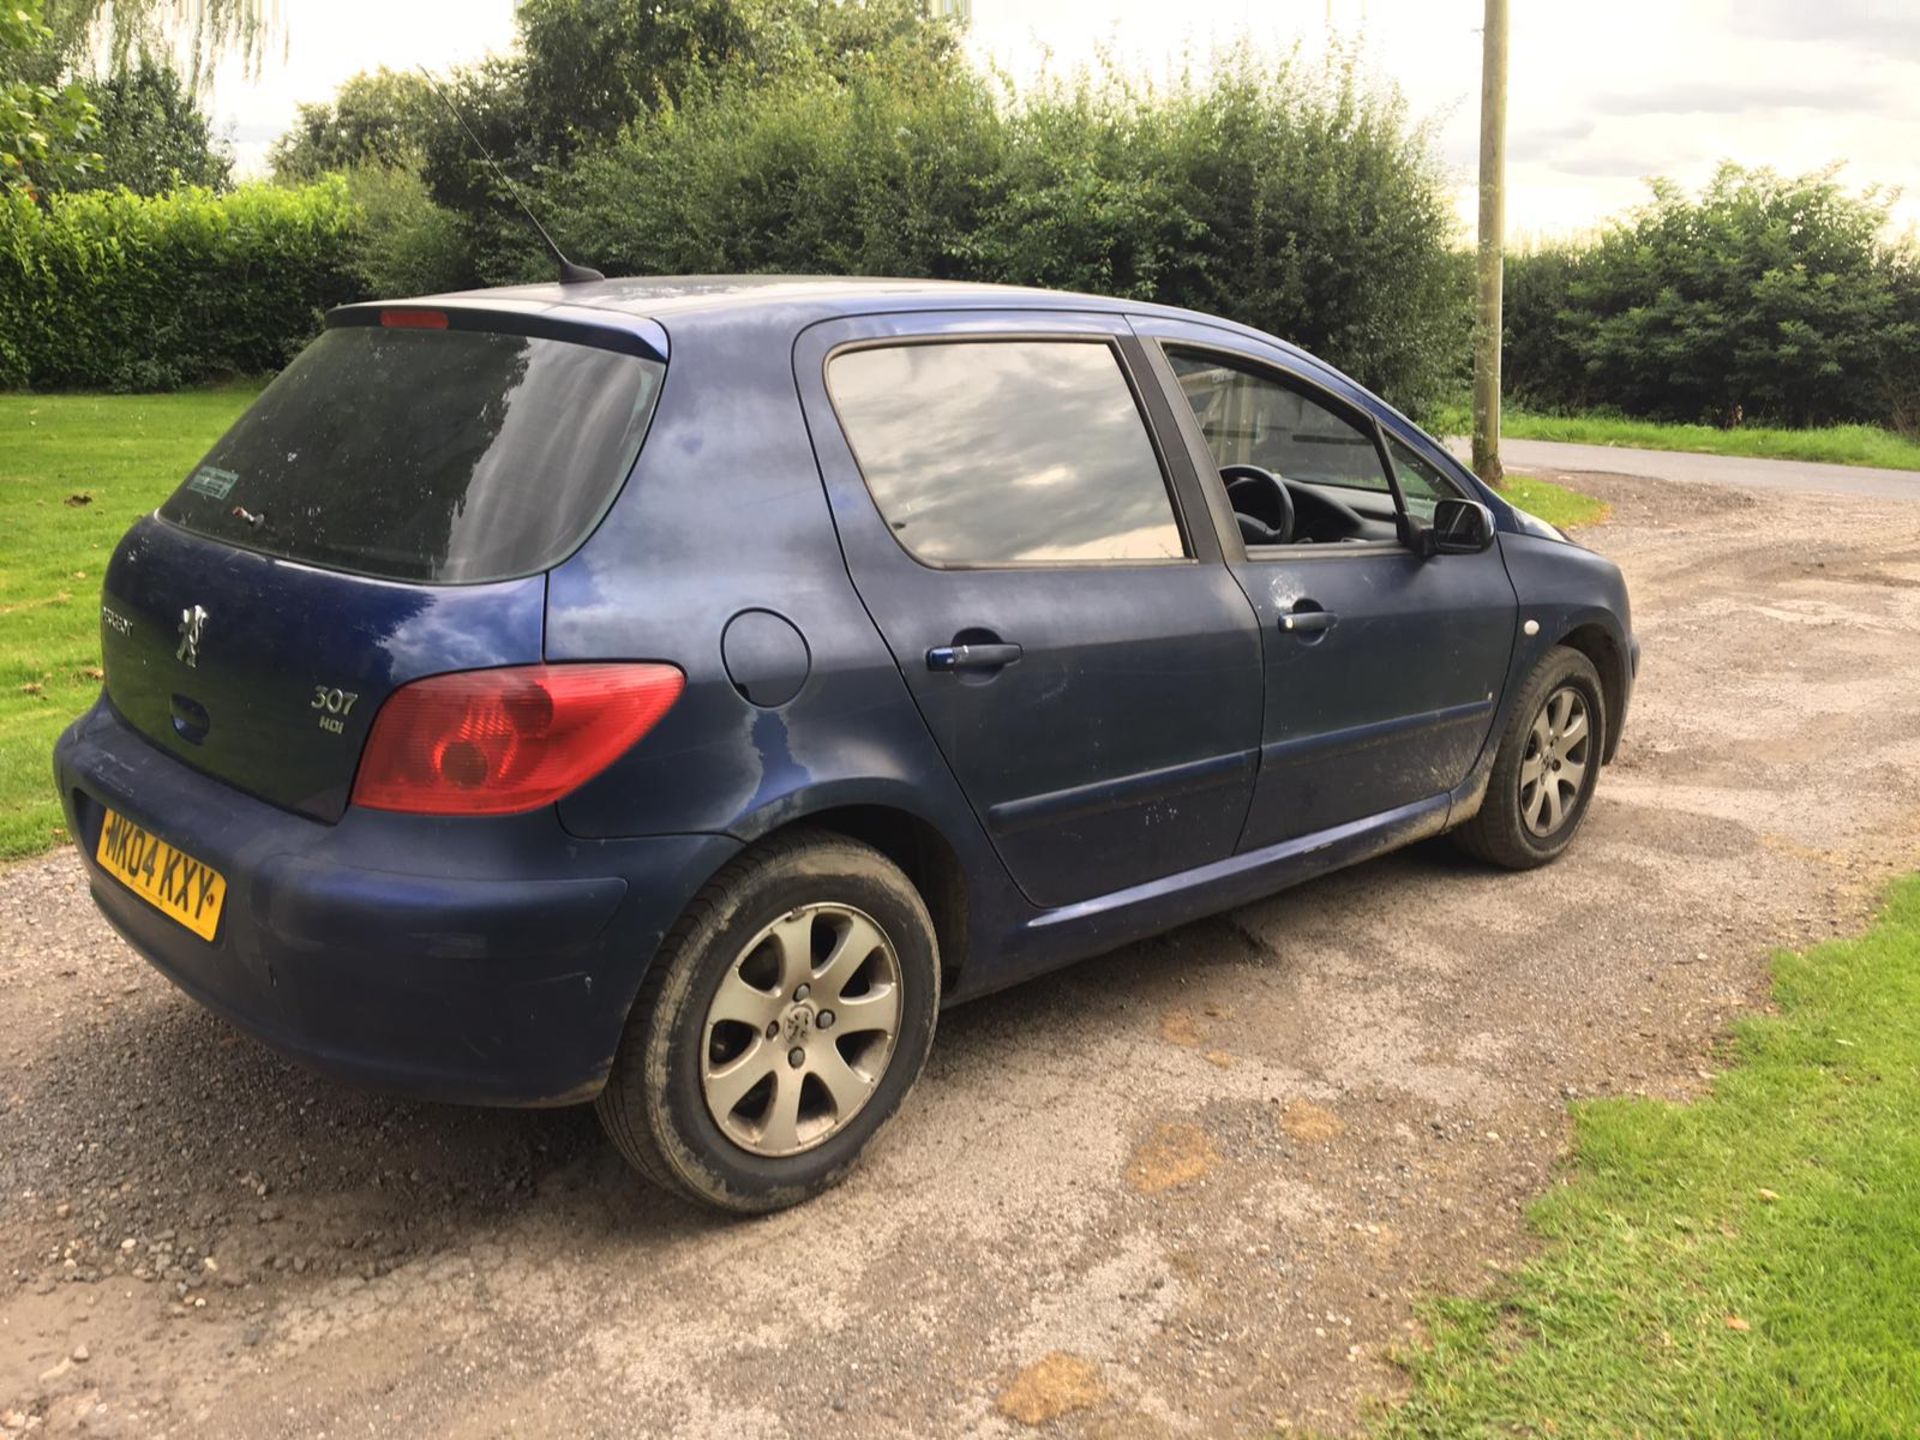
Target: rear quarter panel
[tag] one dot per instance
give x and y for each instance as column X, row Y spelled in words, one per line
column 725, row 513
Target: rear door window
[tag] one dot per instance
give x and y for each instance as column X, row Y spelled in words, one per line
column 1011, row 452
column 446, row 456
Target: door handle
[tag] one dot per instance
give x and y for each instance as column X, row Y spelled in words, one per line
column 972, row 657
column 1308, row 622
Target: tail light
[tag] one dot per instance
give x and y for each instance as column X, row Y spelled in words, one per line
column 414, row 319
column 493, row 742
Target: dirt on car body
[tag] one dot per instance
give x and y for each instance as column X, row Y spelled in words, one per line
column 1192, row 1187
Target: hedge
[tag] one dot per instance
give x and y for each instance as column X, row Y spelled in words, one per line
column 110, row 290
column 1295, row 199
column 1765, row 299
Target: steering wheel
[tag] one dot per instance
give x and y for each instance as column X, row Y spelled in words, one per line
column 1260, row 503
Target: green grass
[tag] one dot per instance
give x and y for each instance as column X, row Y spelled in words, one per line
column 1555, row 504
column 1834, row 445
column 1745, row 1265
column 125, row 453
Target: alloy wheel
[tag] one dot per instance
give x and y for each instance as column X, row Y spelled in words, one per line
column 1554, row 768
column 801, row 1030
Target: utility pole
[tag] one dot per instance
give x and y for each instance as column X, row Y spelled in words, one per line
column 1493, row 226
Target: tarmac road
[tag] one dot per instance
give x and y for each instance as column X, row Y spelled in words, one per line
column 1547, row 456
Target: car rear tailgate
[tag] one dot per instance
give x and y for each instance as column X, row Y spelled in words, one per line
column 267, row 673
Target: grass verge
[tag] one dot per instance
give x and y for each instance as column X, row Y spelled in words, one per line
column 1555, row 504
column 1833, row 445
column 1745, row 1265
column 75, row 472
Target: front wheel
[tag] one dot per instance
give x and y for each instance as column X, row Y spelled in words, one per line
column 1546, row 767
column 784, row 1020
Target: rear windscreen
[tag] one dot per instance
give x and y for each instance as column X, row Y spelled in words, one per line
column 451, row 456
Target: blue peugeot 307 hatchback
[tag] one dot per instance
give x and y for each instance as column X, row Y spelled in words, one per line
column 673, row 692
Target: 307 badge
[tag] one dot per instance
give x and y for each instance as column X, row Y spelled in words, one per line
column 172, row 881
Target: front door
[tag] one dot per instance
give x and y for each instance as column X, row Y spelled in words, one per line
column 1087, row 665
column 1383, row 668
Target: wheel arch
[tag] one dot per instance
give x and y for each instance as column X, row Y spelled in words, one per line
column 908, row 838
column 1595, row 641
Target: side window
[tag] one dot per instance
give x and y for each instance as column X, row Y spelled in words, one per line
column 1421, row 481
column 1250, row 419
column 1006, row 452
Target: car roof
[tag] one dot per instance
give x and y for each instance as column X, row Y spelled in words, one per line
column 660, row 297
column 649, row 306
column 652, row 306
column 680, row 302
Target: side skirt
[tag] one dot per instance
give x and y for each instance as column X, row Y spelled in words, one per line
column 1073, row 932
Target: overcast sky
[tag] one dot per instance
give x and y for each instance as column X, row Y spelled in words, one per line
column 1602, row 94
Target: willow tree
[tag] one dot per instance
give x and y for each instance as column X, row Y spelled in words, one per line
column 113, row 35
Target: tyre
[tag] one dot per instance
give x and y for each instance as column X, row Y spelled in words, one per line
column 1546, row 767
column 785, row 1018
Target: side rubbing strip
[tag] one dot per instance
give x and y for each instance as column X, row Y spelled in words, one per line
column 1358, row 737
column 1103, row 795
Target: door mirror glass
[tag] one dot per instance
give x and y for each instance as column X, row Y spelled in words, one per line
column 1461, row 527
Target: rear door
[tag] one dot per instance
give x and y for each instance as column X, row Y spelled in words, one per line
column 1049, row 585
column 1383, row 668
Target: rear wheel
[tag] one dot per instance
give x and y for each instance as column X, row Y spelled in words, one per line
column 784, row 1020
column 1546, row 767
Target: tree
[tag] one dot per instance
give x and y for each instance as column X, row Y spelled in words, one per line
column 383, row 117
column 50, row 120
column 152, row 135
column 593, row 67
column 45, row 128
column 590, row 70
column 1764, row 298
column 120, row 33
column 1298, row 199
column 883, row 174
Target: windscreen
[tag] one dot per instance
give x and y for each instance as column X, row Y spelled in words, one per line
column 447, row 456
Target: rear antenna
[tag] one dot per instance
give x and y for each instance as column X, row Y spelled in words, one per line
column 570, row 273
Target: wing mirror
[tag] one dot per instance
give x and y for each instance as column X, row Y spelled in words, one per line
column 1460, row 527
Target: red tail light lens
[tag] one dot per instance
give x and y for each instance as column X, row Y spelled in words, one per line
column 493, row 742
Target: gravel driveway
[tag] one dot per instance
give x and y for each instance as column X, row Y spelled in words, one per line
column 1193, row 1187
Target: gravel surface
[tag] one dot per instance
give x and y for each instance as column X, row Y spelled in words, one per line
column 1194, row 1187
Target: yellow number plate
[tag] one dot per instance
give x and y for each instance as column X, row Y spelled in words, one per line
column 170, row 880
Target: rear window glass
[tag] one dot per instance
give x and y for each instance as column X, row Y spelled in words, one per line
column 450, row 456
column 1006, row 452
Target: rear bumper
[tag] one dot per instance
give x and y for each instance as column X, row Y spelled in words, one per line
column 479, row 961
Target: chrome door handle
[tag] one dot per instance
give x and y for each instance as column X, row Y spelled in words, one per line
column 972, row 657
column 1308, row 622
